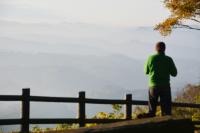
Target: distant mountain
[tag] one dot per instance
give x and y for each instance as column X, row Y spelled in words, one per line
column 87, row 39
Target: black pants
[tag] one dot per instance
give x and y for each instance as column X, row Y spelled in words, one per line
column 164, row 93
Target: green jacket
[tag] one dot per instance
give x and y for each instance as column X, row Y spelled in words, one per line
column 159, row 67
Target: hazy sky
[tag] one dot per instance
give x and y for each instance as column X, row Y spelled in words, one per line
column 101, row 12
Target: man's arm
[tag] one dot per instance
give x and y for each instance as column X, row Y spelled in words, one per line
column 173, row 70
column 146, row 68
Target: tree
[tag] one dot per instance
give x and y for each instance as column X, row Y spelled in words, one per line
column 182, row 11
column 190, row 94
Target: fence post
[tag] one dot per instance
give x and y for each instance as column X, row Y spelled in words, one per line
column 25, row 110
column 128, row 106
column 81, row 113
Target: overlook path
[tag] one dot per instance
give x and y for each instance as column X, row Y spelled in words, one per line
column 166, row 124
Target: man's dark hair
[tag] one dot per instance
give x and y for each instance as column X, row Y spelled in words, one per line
column 160, row 47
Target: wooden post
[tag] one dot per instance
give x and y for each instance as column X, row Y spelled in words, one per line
column 81, row 115
column 25, row 110
column 128, row 107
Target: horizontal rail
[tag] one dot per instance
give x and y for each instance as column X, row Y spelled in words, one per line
column 196, row 122
column 175, row 104
column 53, row 121
column 189, row 105
column 104, row 101
column 87, row 100
column 10, row 121
column 53, row 99
column 56, row 121
column 99, row 121
column 138, row 102
column 70, row 121
column 10, row 98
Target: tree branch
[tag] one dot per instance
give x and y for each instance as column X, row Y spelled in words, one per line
column 195, row 20
column 197, row 13
column 186, row 26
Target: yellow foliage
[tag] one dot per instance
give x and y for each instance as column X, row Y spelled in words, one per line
column 181, row 10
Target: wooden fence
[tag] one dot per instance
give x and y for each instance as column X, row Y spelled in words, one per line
column 26, row 98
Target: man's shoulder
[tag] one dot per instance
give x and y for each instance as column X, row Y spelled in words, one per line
column 151, row 58
column 168, row 57
column 154, row 56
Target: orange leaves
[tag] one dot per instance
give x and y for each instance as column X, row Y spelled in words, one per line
column 165, row 28
column 180, row 10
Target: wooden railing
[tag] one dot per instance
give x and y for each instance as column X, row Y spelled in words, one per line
column 26, row 98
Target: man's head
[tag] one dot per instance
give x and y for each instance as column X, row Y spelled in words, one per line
column 160, row 47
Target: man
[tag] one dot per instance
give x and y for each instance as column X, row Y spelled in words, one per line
column 159, row 67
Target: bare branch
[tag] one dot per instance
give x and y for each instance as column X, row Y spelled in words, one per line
column 186, row 26
column 197, row 13
column 195, row 20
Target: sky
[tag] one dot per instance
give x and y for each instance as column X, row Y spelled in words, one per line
column 124, row 13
